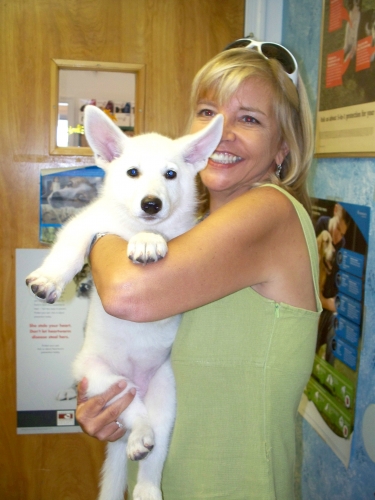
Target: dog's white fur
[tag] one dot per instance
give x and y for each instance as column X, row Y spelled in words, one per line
column 114, row 349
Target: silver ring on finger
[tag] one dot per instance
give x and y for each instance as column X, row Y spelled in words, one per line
column 120, row 425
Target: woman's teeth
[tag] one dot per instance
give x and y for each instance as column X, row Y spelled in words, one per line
column 225, row 158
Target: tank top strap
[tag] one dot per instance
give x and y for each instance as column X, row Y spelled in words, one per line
column 310, row 238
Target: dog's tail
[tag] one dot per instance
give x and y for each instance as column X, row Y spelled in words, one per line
column 114, row 473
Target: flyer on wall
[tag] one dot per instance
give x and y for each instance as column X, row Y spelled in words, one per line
column 345, row 124
column 48, row 337
column 328, row 404
column 63, row 193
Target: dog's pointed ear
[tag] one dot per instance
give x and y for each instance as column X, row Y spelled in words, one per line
column 104, row 137
column 198, row 147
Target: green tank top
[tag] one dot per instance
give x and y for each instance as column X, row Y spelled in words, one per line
column 241, row 364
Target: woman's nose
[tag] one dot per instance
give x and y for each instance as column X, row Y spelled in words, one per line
column 228, row 132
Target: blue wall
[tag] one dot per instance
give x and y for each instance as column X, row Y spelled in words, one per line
column 322, row 475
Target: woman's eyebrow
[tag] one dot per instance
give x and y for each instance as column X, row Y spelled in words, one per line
column 206, row 101
column 252, row 109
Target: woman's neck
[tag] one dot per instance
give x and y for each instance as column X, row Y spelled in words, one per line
column 219, row 199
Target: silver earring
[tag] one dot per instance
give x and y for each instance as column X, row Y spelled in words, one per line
column 278, row 171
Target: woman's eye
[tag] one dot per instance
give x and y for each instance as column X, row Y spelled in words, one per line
column 170, row 174
column 206, row 112
column 249, row 119
column 133, row 172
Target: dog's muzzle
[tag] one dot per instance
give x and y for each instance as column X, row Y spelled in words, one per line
column 151, row 205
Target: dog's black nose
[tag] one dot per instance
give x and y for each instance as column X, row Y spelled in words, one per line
column 151, row 205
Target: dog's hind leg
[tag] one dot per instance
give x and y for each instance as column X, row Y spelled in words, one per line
column 114, row 472
column 160, row 402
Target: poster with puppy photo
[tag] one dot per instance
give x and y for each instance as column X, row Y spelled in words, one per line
column 342, row 233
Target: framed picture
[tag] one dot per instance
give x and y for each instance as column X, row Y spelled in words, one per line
column 345, row 124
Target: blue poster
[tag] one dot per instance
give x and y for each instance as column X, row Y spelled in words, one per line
column 342, row 234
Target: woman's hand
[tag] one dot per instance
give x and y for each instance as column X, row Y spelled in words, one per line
column 95, row 418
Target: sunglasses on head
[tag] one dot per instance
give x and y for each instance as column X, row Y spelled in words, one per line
column 270, row 50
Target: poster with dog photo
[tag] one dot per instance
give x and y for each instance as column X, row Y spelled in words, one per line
column 63, row 192
column 342, row 233
column 345, row 124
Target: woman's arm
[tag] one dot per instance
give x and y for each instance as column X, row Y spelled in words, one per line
column 254, row 240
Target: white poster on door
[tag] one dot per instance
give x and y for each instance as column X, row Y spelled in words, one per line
column 48, row 338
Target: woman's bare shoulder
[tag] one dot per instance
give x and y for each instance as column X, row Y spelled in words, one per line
column 288, row 271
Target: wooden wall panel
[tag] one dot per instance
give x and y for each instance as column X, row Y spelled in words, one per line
column 173, row 38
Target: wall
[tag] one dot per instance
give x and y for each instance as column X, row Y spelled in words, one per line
column 264, row 19
column 351, row 180
column 173, row 38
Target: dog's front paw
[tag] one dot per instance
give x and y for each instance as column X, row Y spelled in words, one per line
column 147, row 247
column 146, row 491
column 46, row 289
column 141, row 441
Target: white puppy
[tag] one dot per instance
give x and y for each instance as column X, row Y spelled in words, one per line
column 148, row 197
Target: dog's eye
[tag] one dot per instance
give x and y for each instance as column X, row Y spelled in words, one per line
column 170, row 174
column 133, row 172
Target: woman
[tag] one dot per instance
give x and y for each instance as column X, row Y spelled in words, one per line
column 247, row 277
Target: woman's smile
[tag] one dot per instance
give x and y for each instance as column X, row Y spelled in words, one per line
column 224, row 158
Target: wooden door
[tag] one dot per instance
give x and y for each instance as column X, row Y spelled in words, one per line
column 173, row 38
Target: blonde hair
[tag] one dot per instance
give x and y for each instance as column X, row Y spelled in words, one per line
column 221, row 77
